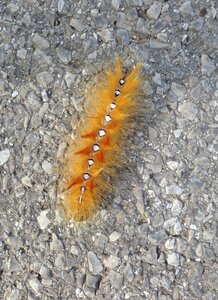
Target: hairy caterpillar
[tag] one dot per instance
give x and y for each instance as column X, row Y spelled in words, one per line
column 96, row 153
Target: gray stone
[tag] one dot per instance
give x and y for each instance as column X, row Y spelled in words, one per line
column 173, row 259
column 41, row 58
column 155, row 44
column 147, row 89
column 94, row 263
column 195, row 271
column 35, row 284
column 209, row 235
column 13, row 7
column 75, row 250
column 186, row 9
column 189, row 110
column 156, row 238
column 140, row 199
column 140, row 52
column 123, row 36
column 151, row 255
column 132, row 14
column 128, row 272
column 106, row 35
column 195, row 92
column 173, row 189
column 116, row 4
column 92, row 282
column 154, row 11
column 70, row 79
column 64, row 55
column 213, row 281
column 135, row 2
column 178, row 89
column 56, row 244
column 100, row 21
column 14, row 242
column 170, row 223
column 4, row 156
column 90, row 45
column 77, row 24
column 157, row 220
column 13, row 264
column 14, row 295
column 157, row 78
column 116, row 279
column 26, row 19
column 196, row 25
column 60, row 261
column 196, row 290
column 40, row 42
column 207, row 65
column 141, row 27
column 162, row 36
column 44, row 78
column 45, row 272
column 22, row 53
column 176, row 208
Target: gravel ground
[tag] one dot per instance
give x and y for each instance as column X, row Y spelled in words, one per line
column 158, row 237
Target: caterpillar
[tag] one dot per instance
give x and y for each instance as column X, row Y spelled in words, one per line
column 96, row 153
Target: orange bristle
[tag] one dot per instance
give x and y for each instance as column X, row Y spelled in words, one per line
column 97, row 150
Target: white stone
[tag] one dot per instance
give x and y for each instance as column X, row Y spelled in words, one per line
column 176, row 208
column 170, row 244
column 47, row 167
column 111, row 262
column 43, row 220
column 114, row 236
column 26, row 180
column 35, row 284
column 4, row 156
column 173, row 190
column 173, row 259
column 14, row 94
column 173, row 165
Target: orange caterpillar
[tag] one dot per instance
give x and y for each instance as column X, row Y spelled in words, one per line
column 97, row 151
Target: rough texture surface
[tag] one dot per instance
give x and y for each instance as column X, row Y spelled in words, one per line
column 158, row 237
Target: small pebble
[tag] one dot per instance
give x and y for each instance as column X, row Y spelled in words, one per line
column 14, row 94
column 77, row 24
column 173, row 259
column 114, row 236
column 154, row 11
column 94, row 263
column 40, row 42
column 47, row 167
column 207, row 65
column 189, row 110
column 4, row 156
column 43, row 220
column 173, row 190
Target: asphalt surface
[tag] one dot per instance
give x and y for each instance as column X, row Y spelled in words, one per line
column 157, row 239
